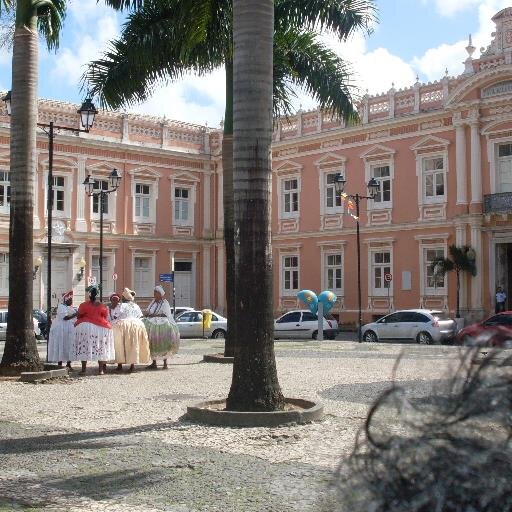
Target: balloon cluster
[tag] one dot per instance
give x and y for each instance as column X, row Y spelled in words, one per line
column 326, row 298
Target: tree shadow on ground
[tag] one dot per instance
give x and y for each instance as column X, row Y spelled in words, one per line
column 72, row 440
column 367, row 392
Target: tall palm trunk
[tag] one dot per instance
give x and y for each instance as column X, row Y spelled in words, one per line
column 255, row 385
column 229, row 241
column 20, row 347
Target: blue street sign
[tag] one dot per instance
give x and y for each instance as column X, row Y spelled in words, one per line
column 166, row 278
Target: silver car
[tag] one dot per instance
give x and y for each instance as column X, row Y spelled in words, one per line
column 424, row 326
column 190, row 325
column 303, row 324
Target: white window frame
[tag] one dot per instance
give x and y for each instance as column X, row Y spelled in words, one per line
column 289, row 291
column 108, row 270
column 6, row 183
column 372, row 203
column 326, row 267
column 56, row 189
column 423, row 173
column 4, row 272
column 383, row 290
column 282, row 193
column 498, row 162
column 148, row 291
column 68, row 195
column 190, row 201
column 425, row 264
column 326, row 188
column 111, row 202
column 140, row 219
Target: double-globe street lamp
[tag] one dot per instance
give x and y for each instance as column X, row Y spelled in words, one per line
column 87, row 114
column 373, row 189
column 114, row 180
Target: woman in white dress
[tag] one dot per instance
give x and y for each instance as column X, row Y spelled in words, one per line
column 130, row 336
column 93, row 340
column 163, row 334
column 62, row 331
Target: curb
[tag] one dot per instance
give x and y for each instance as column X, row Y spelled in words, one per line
column 312, row 411
column 217, row 358
column 45, row 375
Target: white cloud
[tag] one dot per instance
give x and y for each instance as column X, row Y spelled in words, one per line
column 451, row 7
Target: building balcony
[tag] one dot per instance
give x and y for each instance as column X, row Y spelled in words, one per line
column 498, row 203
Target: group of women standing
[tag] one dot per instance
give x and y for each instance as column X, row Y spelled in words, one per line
column 120, row 333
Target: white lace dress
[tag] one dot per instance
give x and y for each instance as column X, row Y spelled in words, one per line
column 62, row 332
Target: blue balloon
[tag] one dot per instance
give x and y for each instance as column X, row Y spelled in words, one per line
column 310, row 299
column 327, row 299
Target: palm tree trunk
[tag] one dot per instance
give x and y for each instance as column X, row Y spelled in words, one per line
column 457, row 275
column 20, row 352
column 255, row 386
column 229, row 221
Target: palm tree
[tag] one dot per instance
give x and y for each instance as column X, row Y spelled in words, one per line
column 461, row 259
column 255, row 385
column 33, row 18
column 159, row 43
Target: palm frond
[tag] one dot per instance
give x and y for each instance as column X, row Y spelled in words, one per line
column 343, row 17
column 120, row 5
column 441, row 266
column 50, row 23
column 300, row 59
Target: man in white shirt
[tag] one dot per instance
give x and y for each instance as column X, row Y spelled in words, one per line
column 501, row 298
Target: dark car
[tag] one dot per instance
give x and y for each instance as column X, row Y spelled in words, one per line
column 496, row 331
column 42, row 321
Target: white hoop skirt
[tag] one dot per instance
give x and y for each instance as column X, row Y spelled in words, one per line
column 60, row 342
column 93, row 343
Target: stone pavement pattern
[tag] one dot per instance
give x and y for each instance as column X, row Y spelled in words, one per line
column 117, row 443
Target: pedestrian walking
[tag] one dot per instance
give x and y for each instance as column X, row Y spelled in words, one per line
column 501, row 299
column 93, row 340
column 62, row 332
column 130, row 335
column 163, row 334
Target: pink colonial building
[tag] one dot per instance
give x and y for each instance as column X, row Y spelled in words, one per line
column 442, row 153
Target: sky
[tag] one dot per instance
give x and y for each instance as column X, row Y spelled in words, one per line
column 412, row 38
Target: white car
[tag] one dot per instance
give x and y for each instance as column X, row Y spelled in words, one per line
column 303, row 324
column 3, row 325
column 180, row 310
column 425, row 326
column 190, row 325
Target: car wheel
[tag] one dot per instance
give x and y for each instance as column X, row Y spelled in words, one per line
column 219, row 333
column 424, row 338
column 315, row 335
column 370, row 337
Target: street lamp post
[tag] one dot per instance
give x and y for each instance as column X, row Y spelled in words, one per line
column 87, row 114
column 373, row 189
column 113, row 181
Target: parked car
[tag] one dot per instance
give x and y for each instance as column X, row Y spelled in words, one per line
column 425, row 326
column 180, row 310
column 42, row 321
column 190, row 325
column 303, row 324
column 3, row 325
column 496, row 331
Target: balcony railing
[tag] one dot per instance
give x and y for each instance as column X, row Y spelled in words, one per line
column 498, row 203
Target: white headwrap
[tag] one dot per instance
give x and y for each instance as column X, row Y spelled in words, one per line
column 160, row 290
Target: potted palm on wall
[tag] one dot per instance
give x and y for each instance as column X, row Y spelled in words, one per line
column 460, row 259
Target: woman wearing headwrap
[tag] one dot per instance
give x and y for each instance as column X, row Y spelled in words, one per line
column 62, row 331
column 130, row 336
column 163, row 334
column 94, row 340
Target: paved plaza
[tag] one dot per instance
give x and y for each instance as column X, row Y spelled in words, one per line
column 118, row 443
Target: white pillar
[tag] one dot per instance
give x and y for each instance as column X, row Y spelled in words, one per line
column 221, row 278
column 207, row 227
column 206, row 277
column 476, row 164
column 37, row 188
column 460, row 146
column 476, row 281
column 80, row 224
column 460, row 240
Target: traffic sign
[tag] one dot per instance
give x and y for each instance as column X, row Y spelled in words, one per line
column 114, row 276
column 166, row 278
column 91, row 280
column 388, row 278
